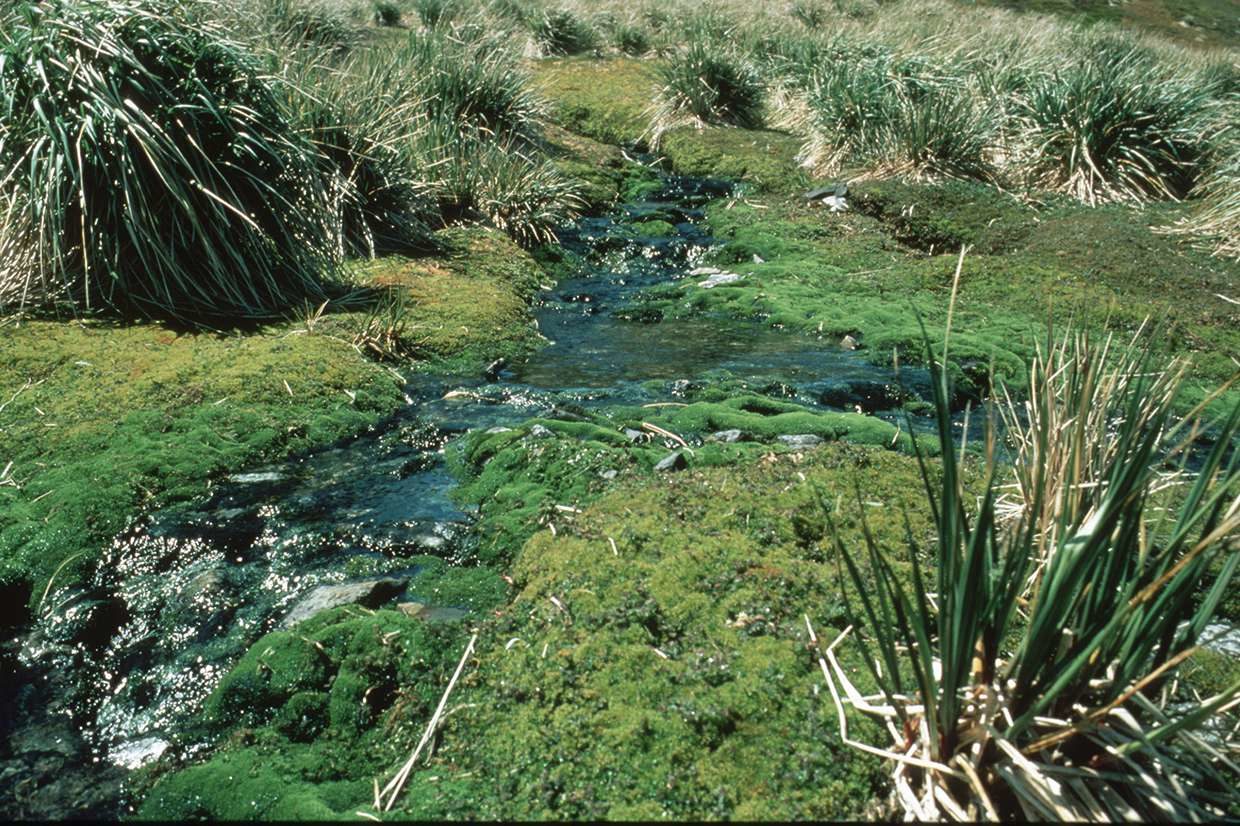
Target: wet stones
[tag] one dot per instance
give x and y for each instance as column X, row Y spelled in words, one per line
column 370, row 593
column 800, row 441
column 672, row 462
column 868, row 396
column 727, row 436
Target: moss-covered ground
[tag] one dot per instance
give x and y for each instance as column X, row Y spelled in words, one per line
column 654, row 664
column 102, row 420
column 653, row 661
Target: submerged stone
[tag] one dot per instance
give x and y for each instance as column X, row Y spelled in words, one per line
column 371, row 593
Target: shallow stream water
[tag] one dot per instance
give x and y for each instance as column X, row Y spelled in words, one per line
column 111, row 671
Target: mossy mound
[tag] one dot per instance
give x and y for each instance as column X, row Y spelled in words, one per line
column 313, row 715
column 462, row 307
column 524, row 478
column 669, row 678
column 764, row 158
column 606, row 100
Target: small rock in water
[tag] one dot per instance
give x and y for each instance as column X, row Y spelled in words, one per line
column 137, row 753
column 719, row 279
column 370, row 593
column 540, row 432
column 256, row 478
column 727, row 436
column 849, row 343
column 491, row 373
column 673, row 461
column 801, row 440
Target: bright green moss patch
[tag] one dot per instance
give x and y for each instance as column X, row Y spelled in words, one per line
column 314, row 714
column 765, row 158
column 523, row 478
column 602, row 99
column 457, row 309
column 105, row 421
column 674, row 681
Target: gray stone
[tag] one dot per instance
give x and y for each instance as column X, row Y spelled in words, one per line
column 705, row 271
column 137, row 753
column 673, row 461
column 727, row 436
column 634, row 435
column 849, row 343
column 719, row 279
column 801, row 440
column 371, row 593
column 492, row 431
column 540, row 432
column 255, row 478
column 608, row 475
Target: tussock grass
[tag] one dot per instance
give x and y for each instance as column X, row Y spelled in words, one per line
column 1033, row 673
column 707, row 82
column 1110, row 127
column 436, row 13
column 562, row 31
column 156, row 166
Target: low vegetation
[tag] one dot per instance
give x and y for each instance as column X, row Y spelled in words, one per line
column 230, row 231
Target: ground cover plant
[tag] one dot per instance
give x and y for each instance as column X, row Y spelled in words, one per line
column 642, row 590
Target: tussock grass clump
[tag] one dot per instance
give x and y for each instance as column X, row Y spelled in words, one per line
column 301, row 22
column 1033, row 674
column 361, row 132
column 896, row 116
column 386, row 13
column 155, row 164
column 497, row 182
column 630, row 38
column 1110, row 126
column 564, row 32
column 478, row 84
column 709, row 82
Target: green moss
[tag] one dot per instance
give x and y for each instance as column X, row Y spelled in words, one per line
column 673, row 680
column 518, row 477
column 459, row 309
column 765, row 158
column 311, row 716
column 606, row 100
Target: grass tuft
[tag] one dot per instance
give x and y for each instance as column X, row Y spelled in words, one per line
column 157, row 167
column 564, row 32
column 710, row 83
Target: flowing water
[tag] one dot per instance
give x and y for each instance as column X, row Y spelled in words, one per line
column 101, row 683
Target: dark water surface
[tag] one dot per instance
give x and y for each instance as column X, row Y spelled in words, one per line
column 111, row 671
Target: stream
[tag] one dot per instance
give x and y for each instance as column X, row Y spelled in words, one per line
column 112, row 671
